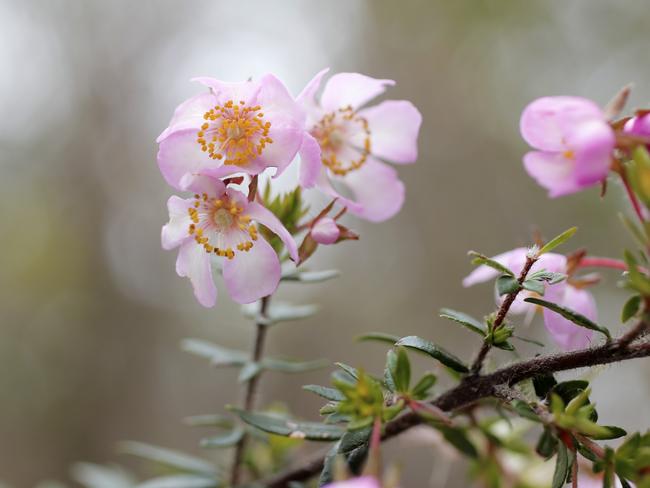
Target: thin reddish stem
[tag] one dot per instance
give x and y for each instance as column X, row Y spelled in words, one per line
column 596, row 262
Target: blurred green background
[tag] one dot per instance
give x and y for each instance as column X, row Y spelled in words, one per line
column 92, row 310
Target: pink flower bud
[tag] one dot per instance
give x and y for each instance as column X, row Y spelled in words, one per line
column 325, row 231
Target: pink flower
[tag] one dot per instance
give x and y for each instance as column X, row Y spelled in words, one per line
column 233, row 128
column 565, row 333
column 220, row 221
column 574, row 144
column 363, row 482
column 638, row 126
column 325, row 231
column 346, row 143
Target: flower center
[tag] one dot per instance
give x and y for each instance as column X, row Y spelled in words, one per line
column 234, row 132
column 333, row 132
column 219, row 225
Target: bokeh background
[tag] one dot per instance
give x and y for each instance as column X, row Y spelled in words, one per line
column 91, row 309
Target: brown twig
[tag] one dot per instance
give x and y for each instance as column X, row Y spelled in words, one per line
column 477, row 387
column 251, row 390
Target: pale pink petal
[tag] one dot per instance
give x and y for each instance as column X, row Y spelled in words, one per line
column 308, row 93
column 565, row 333
column 200, row 183
column 194, row 263
column 593, row 143
column 231, row 90
column 351, row 89
column 552, row 171
column 639, row 126
column 176, row 230
column 394, row 127
column 189, row 114
column 265, row 217
column 545, row 121
column 324, row 184
column 310, row 161
column 377, row 189
column 252, row 275
column 325, row 231
column 180, row 154
column 363, row 482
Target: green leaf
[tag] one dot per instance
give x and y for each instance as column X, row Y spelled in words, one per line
column 568, row 390
column 634, row 230
column 435, row 352
column 349, row 370
column 328, row 393
column 529, row 340
column 465, row 320
column 543, row 384
column 534, row 285
column 458, row 438
column 218, row 355
column 631, row 308
column 402, row 371
column 96, row 476
column 389, row 370
column 507, row 285
column 561, row 467
column 249, row 371
column 228, row 439
column 547, row 444
column 421, row 389
column 525, row 410
column 180, row 481
column 212, row 420
column 614, row 433
column 556, row 241
column 570, row 315
column 637, row 280
column 274, row 424
column 378, row 336
column 303, row 276
column 278, row 312
column 291, row 366
column 547, row 276
column 481, row 259
column 168, row 457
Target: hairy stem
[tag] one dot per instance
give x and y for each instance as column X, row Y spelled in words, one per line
column 477, row 387
column 250, row 391
column 502, row 313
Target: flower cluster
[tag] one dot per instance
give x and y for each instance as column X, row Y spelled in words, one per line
column 228, row 135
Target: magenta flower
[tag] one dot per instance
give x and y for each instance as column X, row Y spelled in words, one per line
column 325, row 231
column 233, row 128
column 565, row 333
column 638, row 126
column 220, row 221
column 363, row 482
column 347, row 144
column 574, row 144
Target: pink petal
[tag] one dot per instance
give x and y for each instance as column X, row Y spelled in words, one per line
column 639, row 126
column 545, row 122
column 189, row 114
column 325, row 231
column 180, row 154
column 265, row 217
column 351, row 89
column 565, row 333
column 310, row 161
column 363, row 482
column 593, row 143
column 324, row 184
column 308, row 94
column 202, row 184
column 377, row 189
column 194, row 263
column 252, row 275
column 176, row 230
column 231, row 90
column 552, row 171
column 394, row 127
column 513, row 260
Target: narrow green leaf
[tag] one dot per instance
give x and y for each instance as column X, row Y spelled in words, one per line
column 212, row 420
column 637, row 280
column 389, row 370
column 180, row 481
column 547, row 444
column 543, row 384
column 481, row 259
column 311, row 276
column 349, row 370
column 458, row 438
column 328, row 393
column 421, row 389
column 167, row 457
column 547, row 276
column 435, row 352
column 614, row 433
column 402, row 373
column 274, row 424
column 570, row 315
column 634, row 230
column 631, row 308
column 278, row 312
column 507, row 284
column 533, row 285
column 556, row 241
column 525, row 410
column 465, row 320
column 378, row 336
column 291, row 366
column 218, row 355
column 561, row 467
column 249, row 371
column 92, row 475
column 228, row 439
